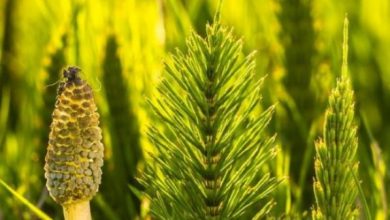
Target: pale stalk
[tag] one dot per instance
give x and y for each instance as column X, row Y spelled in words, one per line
column 77, row 211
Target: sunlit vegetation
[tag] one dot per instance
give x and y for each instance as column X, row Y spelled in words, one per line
column 157, row 68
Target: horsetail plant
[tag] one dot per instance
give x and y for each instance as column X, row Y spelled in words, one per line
column 211, row 146
column 336, row 167
column 75, row 153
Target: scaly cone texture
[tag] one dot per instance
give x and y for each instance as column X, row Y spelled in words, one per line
column 56, row 62
column 335, row 187
column 75, row 153
column 211, row 148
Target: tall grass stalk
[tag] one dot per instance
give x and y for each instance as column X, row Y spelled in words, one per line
column 377, row 172
column 298, row 38
column 124, row 134
column 23, row 200
column 7, row 60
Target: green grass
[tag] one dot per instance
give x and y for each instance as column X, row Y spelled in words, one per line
column 298, row 46
column 23, row 200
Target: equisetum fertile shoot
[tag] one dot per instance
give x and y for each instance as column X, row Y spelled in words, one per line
column 75, row 152
column 336, row 168
column 211, row 148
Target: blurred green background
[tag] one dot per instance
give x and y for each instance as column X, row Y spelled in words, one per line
column 120, row 46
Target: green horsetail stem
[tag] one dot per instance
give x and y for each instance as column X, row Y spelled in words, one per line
column 212, row 144
column 75, row 153
column 336, row 167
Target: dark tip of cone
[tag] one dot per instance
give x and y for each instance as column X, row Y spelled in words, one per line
column 71, row 73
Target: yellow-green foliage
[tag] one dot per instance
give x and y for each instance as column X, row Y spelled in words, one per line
column 124, row 129
column 211, row 148
column 121, row 46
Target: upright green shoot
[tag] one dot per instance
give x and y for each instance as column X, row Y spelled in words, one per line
column 211, row 147
column 336, row 167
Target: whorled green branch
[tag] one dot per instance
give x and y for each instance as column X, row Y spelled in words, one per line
column 335, row 187
column 211, row 148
